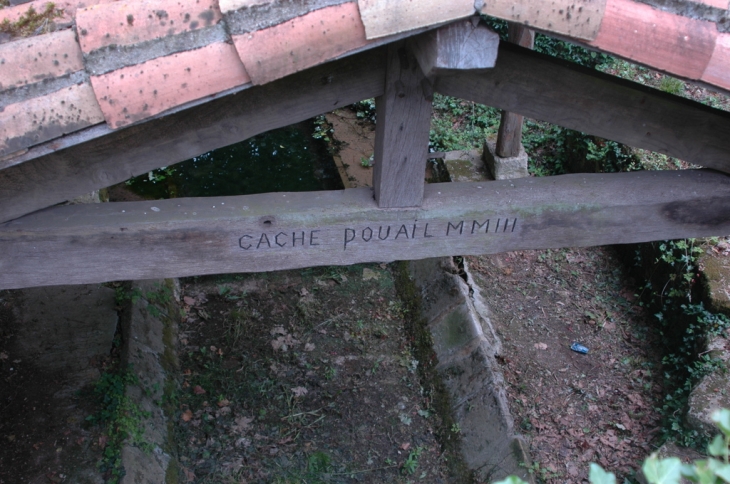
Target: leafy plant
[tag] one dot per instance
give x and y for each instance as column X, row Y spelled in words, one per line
column 411, row 463
column 121, row 418
column 672, row 85
column 670, row 292
column 671, row 470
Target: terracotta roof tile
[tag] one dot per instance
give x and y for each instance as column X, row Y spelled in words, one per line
column 579, row 19
column 136, row 92
column 47, row 117
column 128, row 23
column 718, row 69
column 658, row 39
column 387, row 17
column 300, row 43
column 35, row 59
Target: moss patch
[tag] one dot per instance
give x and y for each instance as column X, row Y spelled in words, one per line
column 31, row 22
column 422, row 347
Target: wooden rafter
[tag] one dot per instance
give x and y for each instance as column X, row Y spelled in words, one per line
column 522, row 81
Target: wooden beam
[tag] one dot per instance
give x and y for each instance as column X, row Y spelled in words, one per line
column 403, row 121
column 563, row 93
column 254, row 233
column 465, row 44
column 125, row 153
column 509, row 138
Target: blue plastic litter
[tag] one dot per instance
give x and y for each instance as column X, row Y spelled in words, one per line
column 579, row 348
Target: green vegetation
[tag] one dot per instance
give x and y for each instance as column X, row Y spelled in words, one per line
column 671, row 470
column 31, row 22
column 671, row 292
column 121, row 418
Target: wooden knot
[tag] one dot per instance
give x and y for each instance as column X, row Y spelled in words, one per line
column 400, row 88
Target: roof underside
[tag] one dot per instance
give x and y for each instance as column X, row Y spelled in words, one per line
column 117, row 63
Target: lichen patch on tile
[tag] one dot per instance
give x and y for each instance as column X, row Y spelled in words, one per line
column 244, row 16
column 44, row 118
column 35, row 59
column 579, row 19
column 128, row 23
column 300, row 43
column 676, row 44
column 141, row 91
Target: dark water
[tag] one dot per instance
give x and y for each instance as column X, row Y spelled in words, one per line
column 282, row 160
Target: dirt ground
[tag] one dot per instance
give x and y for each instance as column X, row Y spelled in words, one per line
column 44, row 438
column 575, row 408
column 303, row 376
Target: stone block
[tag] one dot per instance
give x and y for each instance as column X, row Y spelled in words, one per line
column 488, row 443
column 465, row 166
column 504, row 168
column 151, row 317
column 439, row 286
column 63, row 328
column 455, row 332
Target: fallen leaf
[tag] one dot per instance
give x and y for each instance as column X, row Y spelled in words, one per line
column 198, row 390
column 103, row 439
column 188, row 300
column 299, row 391
column 540, row 346
column 187, row 415
column 303, row 292
column 277, row 330
column 3, row 356
column 242, row 424
column 405, row 446
column 224, row 403
column 189, row 475
column 368, row 274
column 309, row 347
column 285, row 440
column 243, row 442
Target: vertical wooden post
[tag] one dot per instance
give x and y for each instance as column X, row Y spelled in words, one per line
column 401, row 131
column 509, row 138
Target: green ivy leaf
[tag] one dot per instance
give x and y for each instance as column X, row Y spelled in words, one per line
column 662, row 471
column 511, row 480
column 718, row 448
column 722, row 419
column 598, row 476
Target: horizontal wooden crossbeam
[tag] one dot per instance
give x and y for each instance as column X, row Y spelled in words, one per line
column 254, row 233
column 563, row 93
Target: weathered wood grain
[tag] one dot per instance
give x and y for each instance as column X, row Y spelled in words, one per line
column 401, row 131
column 465, row 44
column 388, row 17
column 79, row 169
column 509, row 138
column 253, row 233
column 545, row 88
